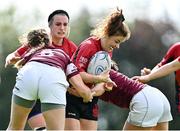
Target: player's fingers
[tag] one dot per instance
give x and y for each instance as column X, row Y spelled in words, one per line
column 93, row 93
column 143, row 72
column 6, row 64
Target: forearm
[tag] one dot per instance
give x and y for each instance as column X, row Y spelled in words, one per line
column 80, row 87
column 164, row 70
column 12, row 59
column 88, row 78
column 155, row 68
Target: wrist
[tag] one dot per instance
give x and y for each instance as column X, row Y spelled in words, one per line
column 97, row 79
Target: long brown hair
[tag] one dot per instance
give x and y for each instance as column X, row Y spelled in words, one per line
column 112, row 25
column 36, row 39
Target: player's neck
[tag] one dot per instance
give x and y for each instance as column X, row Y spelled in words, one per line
column 58, row 42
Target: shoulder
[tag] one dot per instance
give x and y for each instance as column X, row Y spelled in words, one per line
column 22, row 49
column 175, row 46
column 90, row 42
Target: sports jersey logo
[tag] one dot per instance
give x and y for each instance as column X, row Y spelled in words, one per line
column 83, row 60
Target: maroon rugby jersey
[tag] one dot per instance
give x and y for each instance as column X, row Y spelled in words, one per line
column 172, row 54
column 53, row 57
column 122, row 94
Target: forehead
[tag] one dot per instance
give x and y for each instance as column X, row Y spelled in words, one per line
column 60, row 18
column 117, row 38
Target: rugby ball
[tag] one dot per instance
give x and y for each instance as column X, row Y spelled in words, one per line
column 99, row 62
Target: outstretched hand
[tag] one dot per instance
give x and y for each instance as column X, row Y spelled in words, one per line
column 143, row 79
column 11, row 60
column 145, row 71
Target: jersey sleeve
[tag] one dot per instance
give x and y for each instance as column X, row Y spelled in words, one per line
column 82, row 56
column 22, row 49
column 71, row 70
column 169, row 56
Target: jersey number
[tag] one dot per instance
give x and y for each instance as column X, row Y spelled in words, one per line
column 47, row 52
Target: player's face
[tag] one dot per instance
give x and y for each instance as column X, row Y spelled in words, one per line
column 59, row 26
column 113, row 42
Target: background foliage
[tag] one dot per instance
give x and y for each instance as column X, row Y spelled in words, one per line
column 146, row 47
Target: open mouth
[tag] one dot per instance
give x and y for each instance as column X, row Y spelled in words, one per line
column 61, row 33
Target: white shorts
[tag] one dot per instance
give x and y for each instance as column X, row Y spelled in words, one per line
column 41, row 81
column 149, row 107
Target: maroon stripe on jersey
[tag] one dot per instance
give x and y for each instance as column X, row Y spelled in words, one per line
column 72, row 74
column 125, row 90
column 53, row 57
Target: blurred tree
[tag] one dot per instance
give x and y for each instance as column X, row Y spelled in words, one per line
column 80, row 27
column 11, row 26
column 8, row 42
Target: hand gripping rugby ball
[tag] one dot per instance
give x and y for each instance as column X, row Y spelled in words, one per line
column 99, row 63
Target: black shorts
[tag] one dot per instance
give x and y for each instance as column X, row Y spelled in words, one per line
column 77, row 109
column 35, row 110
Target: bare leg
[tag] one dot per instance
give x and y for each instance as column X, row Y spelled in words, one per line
column 162, row 126
column 37, row 121
column 129, row 126
column 72, row 124
column 88, row 124
column 55, row 119
column 18, row 117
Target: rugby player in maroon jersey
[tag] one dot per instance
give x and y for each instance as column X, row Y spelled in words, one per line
column 43, row 76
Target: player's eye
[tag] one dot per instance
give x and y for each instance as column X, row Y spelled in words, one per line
column 58, row 24
column 117, row 41
column 65, row 24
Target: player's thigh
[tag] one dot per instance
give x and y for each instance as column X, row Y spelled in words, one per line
column 20, row 109
column 37, row 121
column 54, row 115
column 162, row 126
column 88, row 124
column 35, row 118
column 72, row 124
